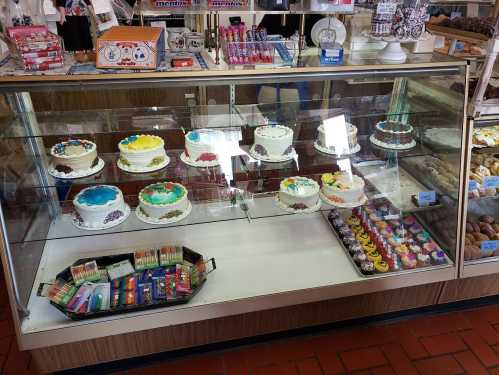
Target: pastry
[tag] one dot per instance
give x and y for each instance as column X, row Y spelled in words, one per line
column 343, row 188
column 409, row 260
column 374, row 256
column 203, row 145
column 381, row 266
column 415, row 228
column 163, row 202
column 76, row 156
column 393, row 135
column 369, row 247
column 142, row 153
column 353, row 220
column 367, row 267
column 438, row 257
column 423, row 259
column 359, row 257
column 363, row 238
column 355, row 248
column 273, row 142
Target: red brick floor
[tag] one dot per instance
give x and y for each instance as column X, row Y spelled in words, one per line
column 463, row 342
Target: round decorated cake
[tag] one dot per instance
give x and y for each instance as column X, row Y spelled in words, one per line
column 142, row 153
column 343, row 189
column 273, row 143
column 163, row 202
column 325, row 144
column 201, row 147
column 299, row 194
column 393, row 135
column 99, row 207
column 74, row 158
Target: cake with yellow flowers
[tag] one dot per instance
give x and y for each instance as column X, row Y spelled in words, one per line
column 299, row 194
column 142, row 153
column 163, row 202
column 343, row 189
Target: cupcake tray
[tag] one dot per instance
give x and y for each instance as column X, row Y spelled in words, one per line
column 188, row 255
column 344, row 215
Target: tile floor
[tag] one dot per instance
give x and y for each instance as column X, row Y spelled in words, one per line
column 462, row 342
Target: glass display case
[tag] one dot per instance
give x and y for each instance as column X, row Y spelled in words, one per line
column 304, row 184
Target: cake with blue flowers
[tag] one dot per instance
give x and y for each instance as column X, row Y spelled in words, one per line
column 99, row 207
column 203, row 147
column 273, row 143
column 393, row 135
column 142, row 153
column 73, row 157
column 299, row 194
column 163, row 202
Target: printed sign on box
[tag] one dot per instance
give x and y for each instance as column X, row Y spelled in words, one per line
column 131, row 47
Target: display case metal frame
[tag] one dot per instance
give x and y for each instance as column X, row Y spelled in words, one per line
column 208, row 309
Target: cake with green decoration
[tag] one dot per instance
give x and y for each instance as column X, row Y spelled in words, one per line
column 343, row 188
column 163, row 202
column 142, row 153
column 299, row 194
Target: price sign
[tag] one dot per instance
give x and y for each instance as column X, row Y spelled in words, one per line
column 425, row 198
column 491, row 182
column 489, row 246
column 472, row 185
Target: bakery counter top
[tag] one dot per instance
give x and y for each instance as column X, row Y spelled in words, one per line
column 264, row 256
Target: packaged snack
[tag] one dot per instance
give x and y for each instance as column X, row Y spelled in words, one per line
column 104, row 278
column 85, row 272
column 120, row 269
column 115, row 284
column 80, row 297
column 183, row 279
column 146, row 259
column 170, row 255
column 100, row 298
column 159, row 287
column 61, row 292
column 145, row 294
column 129, row 282
column 128, row 297
column 171, row 291
column 115, row 299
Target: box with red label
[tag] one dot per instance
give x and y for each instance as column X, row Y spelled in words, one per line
column 341, row 6
column 131, row 47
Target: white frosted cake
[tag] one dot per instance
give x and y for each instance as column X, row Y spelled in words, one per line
column 343, row 188
column 273, row 143
column 163, row 202
column 99, row 207
column 142, row 153
column 299, row 194
column 202, row 147
column 74, row 156
column 328, row 141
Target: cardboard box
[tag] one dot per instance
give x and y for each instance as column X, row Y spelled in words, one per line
column 131, row 47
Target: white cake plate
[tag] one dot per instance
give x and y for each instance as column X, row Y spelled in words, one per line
column 295, row 211
column 198, row 164
column 150, row 220
column 342, row 205
column 394, row 147
column 270, row 159
column 104, row 226
column 80, row 174
column 130, row 169
column 326, row 150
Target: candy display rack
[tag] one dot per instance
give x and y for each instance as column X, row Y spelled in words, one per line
column 258, row 246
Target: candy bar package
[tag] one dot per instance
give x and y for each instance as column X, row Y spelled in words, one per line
column 61, row 292
column 170, row 255
column 108, row 285
column 146, row 259
column 119, row 269
column 85, row 272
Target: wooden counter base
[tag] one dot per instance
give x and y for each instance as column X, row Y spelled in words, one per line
column 218, row 330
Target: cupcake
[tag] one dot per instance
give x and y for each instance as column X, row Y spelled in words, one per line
column 395, row 241
column 353, row 220
column 387, row 232
column 381, row 266
column 359, row 257
column 333, row 214
column 401, row 232
column 438, row 257
column 344, row 231
column 415, row 228
column 409, row 220
column 374, row 256
column 369, row 246
column 423, row 260
column 349, row 240
column 415, row 248
column 355, row 248
column 409, row 261
column 394, row 263
column 423, row 236
column 381, row 224
column 337, row 222
column 357, row 229
column 401, row 249
column 430, row 246
column 367, row 267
